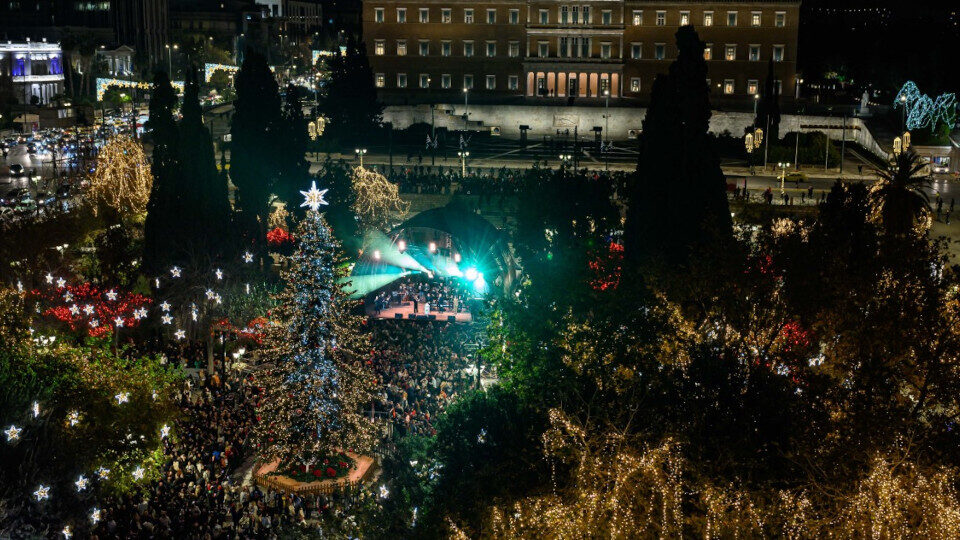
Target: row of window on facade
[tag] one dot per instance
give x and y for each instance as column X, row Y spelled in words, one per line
column 728, row 86
column 576, row 47
column 582, row 15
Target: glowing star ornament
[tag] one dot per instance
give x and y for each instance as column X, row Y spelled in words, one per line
column 112, row 295
column 313, row 198
column 35, row 408
column 95, row 515
column 247, row 257
column 49, row 278
column 179, row 334
column 165, row 306
column 219, row 273
column 94, row 323
column 118, row 322
column 210, row 294
column 103, row 473
column 138, row 473
column 122, row 397
column 164, row 431
column 175, row 271
column 61, row 283
column 73, row 418
column 166, row 319
column 139, row 313
column 66, row 532
column 68, row 297
column 42, row 493
column 88, row 309
column 12, row 433
column 82, row 483
column 74, row 310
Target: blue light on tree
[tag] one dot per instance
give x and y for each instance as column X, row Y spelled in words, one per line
column 922, row 111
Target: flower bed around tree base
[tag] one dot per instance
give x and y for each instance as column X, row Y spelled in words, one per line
column 326, row 468
column 361, row 468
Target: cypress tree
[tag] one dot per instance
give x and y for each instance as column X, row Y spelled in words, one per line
column 292, row 166
column 350, row 104
column 207, row 215
column 254, row 129
column 678, row 198
column 769, row 107
column 165, row 207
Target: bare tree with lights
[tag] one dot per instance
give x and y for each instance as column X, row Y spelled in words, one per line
column 377, row 198
column 122, row 180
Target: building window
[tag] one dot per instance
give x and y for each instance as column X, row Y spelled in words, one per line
column 731, row 18
column 543, row 49
column 446, row 15
column 708, row 18
column 754, row 53
column 780, row 19
column 587, row 19
column 514, row 49
column 445, row 48
column 755, row 18
column 636, row 51
column 661, row 18
column 513, row 82
column 468, row 48
column 468, row 82
column 379, row 47
column 544, row 16
column 514, row 16
column 659, row 51
column 380, row 80
column 708, row 51
column 424, row 80
column 728, row 86
column 401, row 47
column 684, row 18
column 778, row 53
column 445, row 80
column 401, row 15
column 401, row 80
column 491, row 49
column 606, row 17
column 491, row 82
column 635, row 84
column 468, row 16
column 605, row 51
column 564, row 14
column 491, row 16
column 730, row 53
column 424, row 15
column 637, row 17
column 378, row 14
column 575, row 15
column 424, row 48
column 753, row 87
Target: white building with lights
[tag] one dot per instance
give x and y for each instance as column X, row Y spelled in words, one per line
column 34, row 68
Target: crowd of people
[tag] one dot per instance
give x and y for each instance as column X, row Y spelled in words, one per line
column 421, row 367
column 446, row 295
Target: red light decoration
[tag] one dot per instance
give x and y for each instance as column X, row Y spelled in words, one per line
column 279, row 236
column 607, row 268
column 53, row 304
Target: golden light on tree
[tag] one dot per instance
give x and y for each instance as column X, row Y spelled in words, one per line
column 377, row 199
column 121, row 180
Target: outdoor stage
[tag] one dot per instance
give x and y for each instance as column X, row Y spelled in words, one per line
column 405, row 309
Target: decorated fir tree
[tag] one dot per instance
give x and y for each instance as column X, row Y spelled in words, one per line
column 318, row 389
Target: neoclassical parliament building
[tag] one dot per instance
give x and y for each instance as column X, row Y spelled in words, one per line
column 571, row 52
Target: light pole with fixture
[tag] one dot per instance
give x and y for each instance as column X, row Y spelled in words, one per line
column 360, row 152
column 783, row 176
column 170, row 60
column 463, row 163
column 466, row 107
column 605, row 145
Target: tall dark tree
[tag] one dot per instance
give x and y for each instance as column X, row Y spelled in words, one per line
column 207, row 217
column 292, row 167
column 678, row 198
column 350, row 104
column 900, row 198
column 254, row 130
column 165, row 208
column 768, row 110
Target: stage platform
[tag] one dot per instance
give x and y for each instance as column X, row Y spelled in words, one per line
column 405, row 310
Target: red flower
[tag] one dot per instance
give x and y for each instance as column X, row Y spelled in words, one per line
column 331, row 472
column 317, row 473
column 343, row 465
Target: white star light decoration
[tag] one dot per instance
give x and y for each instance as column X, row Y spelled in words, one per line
column 118, row 322
column 95, row 516
column 103, row 473
column 313, row 198
column 74, row 310
column 122, row 397
column 36, row 409
column 42, row 493
column 210, row 294
column 12, row 433
column 138, row 473
column 73, row 418
column 247, row 257
column 111, row 295
column 66, row 532
column 61, row 283
column 94, row 323
column 88, row 309
column 165, row 306
column 81, row 483
column 180, row 334
column 175, row 271
column 167, row 319
column 139, row 313
column 67, row 297
column 49, row 278
column 164, row 431
column 219, row 273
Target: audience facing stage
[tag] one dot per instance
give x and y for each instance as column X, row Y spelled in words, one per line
column 405, row 311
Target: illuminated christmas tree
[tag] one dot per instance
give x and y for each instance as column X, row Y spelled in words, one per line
column 318, row 389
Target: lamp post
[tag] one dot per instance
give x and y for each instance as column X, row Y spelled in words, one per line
column 463, row 163
column 606, row 130
column 783, row 175
column 756, row 100
column 360, row 152
column 903, row 115
column 170, row 60
column 466, row 107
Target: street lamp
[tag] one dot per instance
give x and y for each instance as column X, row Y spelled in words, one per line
column 360, row 152
column 897, row 146
column 463, row 154
column 466, row 107
column 756, row 99
column 783, row 175
column 605, row 146
column 903, row 105
column 170, row 60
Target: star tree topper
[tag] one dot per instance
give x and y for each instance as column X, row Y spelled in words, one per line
column 313, row 198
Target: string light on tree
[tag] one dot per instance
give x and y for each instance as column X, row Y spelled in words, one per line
column 121, row 180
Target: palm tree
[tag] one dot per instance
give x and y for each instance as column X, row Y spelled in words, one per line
column 900, row 198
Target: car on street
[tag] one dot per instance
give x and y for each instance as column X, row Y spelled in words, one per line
column 16, row 169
